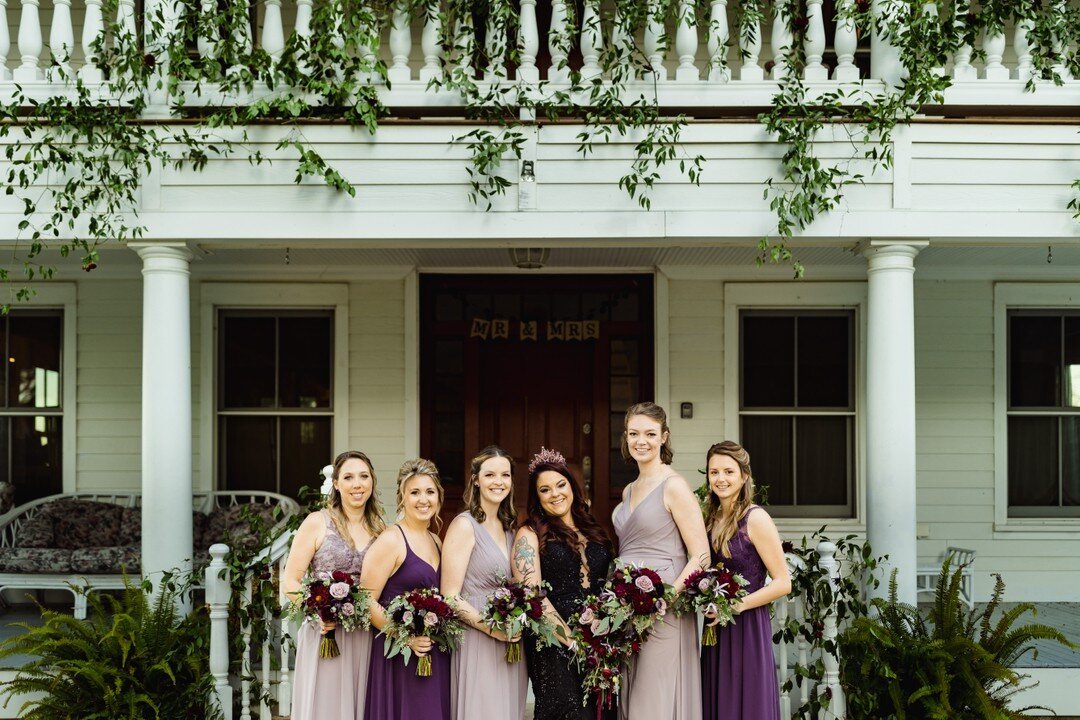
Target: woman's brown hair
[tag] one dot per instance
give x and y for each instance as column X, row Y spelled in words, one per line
column 552, row 529
column 411, row 469
column 715, row 517
column 506, row 513
column 373, row 519
column 655, row 413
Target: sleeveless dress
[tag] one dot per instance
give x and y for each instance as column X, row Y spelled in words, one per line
column 483, row 685
column 332, row 688
column 739, row 673
column 394, row 690
column 555, row 679
column 663, row 681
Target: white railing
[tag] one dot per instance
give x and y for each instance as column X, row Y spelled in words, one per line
column 709, row 64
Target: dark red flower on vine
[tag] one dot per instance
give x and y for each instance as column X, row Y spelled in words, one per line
column 88, row 266
column 862, row 5
column 800, row 24
column 787, row 546
column 149, row 60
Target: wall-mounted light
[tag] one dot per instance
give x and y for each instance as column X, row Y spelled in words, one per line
column 527, row 186
column 529, row 258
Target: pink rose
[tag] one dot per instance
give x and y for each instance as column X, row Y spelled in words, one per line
column 348, row 609
column 644, row 584
column 586, row 616
column 431, row 620
column 339, row 590
column 594, row 626
column 703, row 584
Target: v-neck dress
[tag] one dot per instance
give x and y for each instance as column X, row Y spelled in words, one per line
column 331, row 688
column 394, row 690
column 483, row 685
column 663, row 681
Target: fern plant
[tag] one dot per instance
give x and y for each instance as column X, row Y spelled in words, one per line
column 133, row 657
column 951, row 664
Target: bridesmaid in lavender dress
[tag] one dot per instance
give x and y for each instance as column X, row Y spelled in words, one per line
column 659, row 526
column 403, row 559
column 739, row 673
column 476, row 560
column 335, row 538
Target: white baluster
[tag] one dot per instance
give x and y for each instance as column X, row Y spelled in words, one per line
column 207, row 45
column 62, row 37
column 1059, row 68
column 994, row 48
column 29, row 43
column 931, row 10
column 242, row 37
column 245, row 659
column 655, row 40
column 686, row 42
column 750, row 47
column 837, row 707
column 782, row 657
column 622, row 42
column 1023, row 50
column 560, row 39
column 719, row 72
column 369, row 49
column 814, row 45
column 284, row 688
column 804, row 647
column 846, row 41
column 264, row 695
column 782, row 39
column 93, row 27
column 495, row 48
column 273, row 31
column 591, row 40
column 430, row 45
column 400, row 45
column 465, row 44
column 302, row 27
column 963, row 70
column 218, row 590
column 529, row 43
column 5, row 42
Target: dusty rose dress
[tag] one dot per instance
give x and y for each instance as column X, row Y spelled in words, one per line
column 483, row 686
column 331, row 688
column 664, row 680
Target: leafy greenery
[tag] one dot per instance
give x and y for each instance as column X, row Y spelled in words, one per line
column 133, row 657
column 953, row 664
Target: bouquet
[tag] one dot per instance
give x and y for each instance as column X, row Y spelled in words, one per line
column 333, row 597
column 646, row 595
column 713, row 590
column 515, row 607
column 421, row 612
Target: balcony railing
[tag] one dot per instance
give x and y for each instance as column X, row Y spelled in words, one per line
column 709, row 63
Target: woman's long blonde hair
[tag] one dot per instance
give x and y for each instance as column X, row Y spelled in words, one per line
column 372, row 508
column 409, row 470
column 727, row 524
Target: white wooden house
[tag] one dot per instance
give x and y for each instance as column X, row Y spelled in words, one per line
column 920, row 386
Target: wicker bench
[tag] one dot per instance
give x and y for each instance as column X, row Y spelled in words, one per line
column 960, row 559
column 76, row 539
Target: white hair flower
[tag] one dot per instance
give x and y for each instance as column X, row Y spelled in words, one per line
column 328, row 484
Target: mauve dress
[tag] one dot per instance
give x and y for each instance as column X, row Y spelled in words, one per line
column 738, row 674
column 663, row 681
column 331, row 688
column 483, row 685
column 394, row 690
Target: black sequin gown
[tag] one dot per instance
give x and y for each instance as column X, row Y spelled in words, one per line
column 555, row 680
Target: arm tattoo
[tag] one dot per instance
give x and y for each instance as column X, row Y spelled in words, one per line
column 524, row 557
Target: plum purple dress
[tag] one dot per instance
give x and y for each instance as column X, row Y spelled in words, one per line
column 738, row 674
column 331, row 688
column 663, row 681
column 394, row 690
column 483, row 685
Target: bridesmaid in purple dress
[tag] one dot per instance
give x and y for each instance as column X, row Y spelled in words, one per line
column 739, row 672
column 335, row 538
column 476, row 560
column 402, row 559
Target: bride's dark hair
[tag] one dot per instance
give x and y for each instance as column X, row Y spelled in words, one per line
column 552, row 529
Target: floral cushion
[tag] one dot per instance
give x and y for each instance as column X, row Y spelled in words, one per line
column 231, row 525
column 105, row 560
column 131, row 527
column 7, row 496
column 37, row 531
column 34, row 560
column 83, row 524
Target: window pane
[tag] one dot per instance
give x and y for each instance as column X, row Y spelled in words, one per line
column 625, row 306
column 248, row 453
column 622, row 473
column 1070, row 461
column 306, row 359
column 305, row 447
column 1034, row 361
column 449, row 357
column 768, row 440
column 451, row 465
column 768, row 358
column 448, row 307
column 34, row 447
column 822, row 460
column 1033, row 461
column 824, row 361
column 34, row 361
column 449, row 431
column 247, row 362
column 624, row 357
column 624, row 393
column 1072, row 361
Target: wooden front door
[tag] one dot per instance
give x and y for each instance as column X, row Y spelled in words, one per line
column 530, row 362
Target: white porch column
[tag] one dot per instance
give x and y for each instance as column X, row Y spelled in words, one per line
column 890, row 412
column 166, row 409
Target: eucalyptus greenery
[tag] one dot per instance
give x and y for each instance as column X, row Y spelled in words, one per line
column 78, row 159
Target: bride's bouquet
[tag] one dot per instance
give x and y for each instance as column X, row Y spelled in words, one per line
column 514, row 607
column 421, row 612
column 333, row 597
column 712, row 590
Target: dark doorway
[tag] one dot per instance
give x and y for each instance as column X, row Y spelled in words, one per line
column 528, row 361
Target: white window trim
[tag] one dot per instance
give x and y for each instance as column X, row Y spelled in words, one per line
column 63, row 297
column 214, row 296
column 801, row 296
column 1007, row 296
